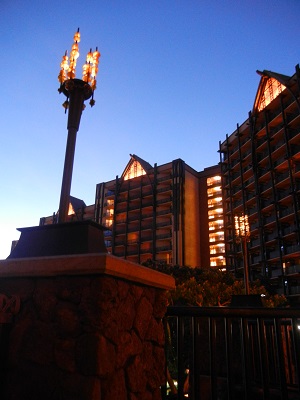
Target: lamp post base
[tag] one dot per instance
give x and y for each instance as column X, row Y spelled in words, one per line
column 80, row 237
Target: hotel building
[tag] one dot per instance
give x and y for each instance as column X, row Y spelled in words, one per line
column 260, row 163
column 165, row 213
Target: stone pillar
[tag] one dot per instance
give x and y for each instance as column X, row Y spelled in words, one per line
column 89, row 328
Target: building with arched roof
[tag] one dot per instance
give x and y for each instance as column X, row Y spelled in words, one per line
column 154, row 213
column 166, row 213
column 260, row 163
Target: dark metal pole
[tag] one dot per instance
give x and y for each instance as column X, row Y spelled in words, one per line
column 246, row 266
column 77, row 91
column 67, row 176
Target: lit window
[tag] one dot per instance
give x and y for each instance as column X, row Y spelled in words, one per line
column 272, row 89
column 134, row 170
column 213, row 180
column 217, row 261
column 216, row 236
column 214, row 191
column 71, row 210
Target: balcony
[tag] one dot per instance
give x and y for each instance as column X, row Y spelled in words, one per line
column 164, row 212
column 255, row 242
column 164, row 189
column 282, row 194
column 272, row 254
column 295, row 248
column 255, row 259
column 282, row 177
column 268, row 219
column 232, row 353
column 271, row 236
column 163, row 178
column 163, row 224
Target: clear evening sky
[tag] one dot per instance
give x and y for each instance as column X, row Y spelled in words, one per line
column 175, row 76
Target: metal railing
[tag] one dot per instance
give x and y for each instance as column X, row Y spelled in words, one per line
column 232, row 353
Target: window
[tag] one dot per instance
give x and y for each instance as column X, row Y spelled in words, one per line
column 272, row 89
column 134, row 170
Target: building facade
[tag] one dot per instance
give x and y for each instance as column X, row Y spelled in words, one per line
column 260, row 163
column 164, row 213
column 151, row 213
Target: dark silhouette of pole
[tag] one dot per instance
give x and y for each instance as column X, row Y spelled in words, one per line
column 246, row 265
column 77, row 91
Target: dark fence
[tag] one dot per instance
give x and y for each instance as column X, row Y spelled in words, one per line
column 232, row 353
column 9, row 306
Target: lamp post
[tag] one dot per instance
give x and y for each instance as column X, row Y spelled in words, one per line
column 77, row 237
column 76, row 92
column 242, row 235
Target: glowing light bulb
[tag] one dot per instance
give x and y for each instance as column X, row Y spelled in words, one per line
column 77, row 36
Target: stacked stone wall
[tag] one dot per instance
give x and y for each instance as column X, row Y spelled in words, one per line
column 85, row 337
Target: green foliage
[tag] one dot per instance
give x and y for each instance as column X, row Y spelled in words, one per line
column 207, row 287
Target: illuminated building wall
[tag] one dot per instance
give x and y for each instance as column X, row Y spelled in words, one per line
column 169, row 213
column 151, row 213
column 211, row 220
column 261, row 179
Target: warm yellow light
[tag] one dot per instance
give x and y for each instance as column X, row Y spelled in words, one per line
column 64, row 66
column 134, row 170
column 241, row 225
column 77, row 36
column 212, row 180
column 90, row 68
column 272, row 89
column 75, row 51
column 71, row 210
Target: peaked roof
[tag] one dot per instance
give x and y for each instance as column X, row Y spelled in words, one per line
column 76, row 203
column 284, row 79
column 144, row 164
column 265, row 76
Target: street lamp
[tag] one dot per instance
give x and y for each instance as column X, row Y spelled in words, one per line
column 76, row 237
column 76, row 92
column 242, row 235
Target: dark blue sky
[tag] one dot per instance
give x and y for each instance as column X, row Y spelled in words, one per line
column 175, row 77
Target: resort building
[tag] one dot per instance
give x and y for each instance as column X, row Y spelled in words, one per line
column 150, row 213
column 164, row 213
column 260, row 163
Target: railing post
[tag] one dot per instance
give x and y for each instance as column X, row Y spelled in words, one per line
column 282, row 374
column 180, row 355
column 296, row 335
column 213, row 364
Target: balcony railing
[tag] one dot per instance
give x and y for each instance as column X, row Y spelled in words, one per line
column 232, row 353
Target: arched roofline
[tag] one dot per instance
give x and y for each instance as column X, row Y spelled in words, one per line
column 265, row 76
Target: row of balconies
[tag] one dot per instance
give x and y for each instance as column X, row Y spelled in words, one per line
column 121, row 252
column 120, row 229
column 263, row 158
column 136, row 216
column 132, row 217
column 131, row 185
column 272, row 254
column 282, row 192
column 275, row 125
column 144, row 203
column 144, row 239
